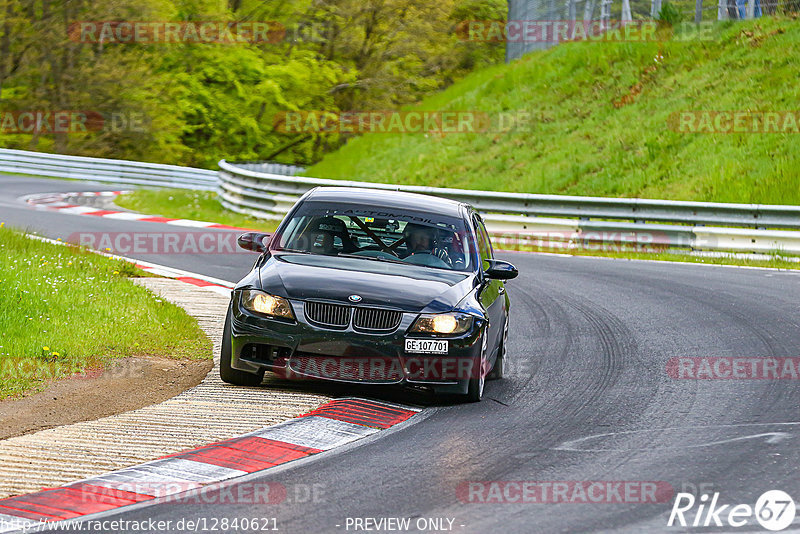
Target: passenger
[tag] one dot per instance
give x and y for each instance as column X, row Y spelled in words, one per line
column 320, row 236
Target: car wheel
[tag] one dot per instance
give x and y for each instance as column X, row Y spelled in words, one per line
column 475, row 391
column 475, row 387
column 499, row 369
column 226, row 372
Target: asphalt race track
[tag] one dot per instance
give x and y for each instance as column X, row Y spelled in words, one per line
column 588, row 398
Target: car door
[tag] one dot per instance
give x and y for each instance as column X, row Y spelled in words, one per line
column 491, row 294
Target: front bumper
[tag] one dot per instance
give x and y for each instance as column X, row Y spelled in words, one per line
column 301, row 350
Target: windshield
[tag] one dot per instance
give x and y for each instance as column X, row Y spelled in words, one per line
column 376, row 234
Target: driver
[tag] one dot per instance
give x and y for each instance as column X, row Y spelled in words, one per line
column 421, row 239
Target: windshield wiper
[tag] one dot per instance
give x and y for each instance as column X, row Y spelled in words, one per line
column 375, row 258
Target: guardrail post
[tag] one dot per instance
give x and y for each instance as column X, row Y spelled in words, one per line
column 626, row 11
column 605, row 13
column 655, row 8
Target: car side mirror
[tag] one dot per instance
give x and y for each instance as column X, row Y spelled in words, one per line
column 255, row 241
column 500, row 270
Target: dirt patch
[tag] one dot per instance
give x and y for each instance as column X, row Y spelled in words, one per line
column 636, row 89
column 127, row 384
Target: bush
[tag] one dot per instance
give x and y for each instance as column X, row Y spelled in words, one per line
column 669, row 15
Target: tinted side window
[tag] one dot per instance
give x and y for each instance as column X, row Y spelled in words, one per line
column 484, row 247
column 485, row 233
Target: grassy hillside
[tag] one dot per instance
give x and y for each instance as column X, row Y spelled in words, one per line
column 600, row 123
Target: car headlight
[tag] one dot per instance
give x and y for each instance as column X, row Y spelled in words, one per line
column 266, row 304
column 442, row 323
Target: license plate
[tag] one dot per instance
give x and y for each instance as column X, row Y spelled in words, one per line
column 427, row 346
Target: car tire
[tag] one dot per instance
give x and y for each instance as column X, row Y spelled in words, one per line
column 498, row 371
column 475, row 385
column 475, row 390
column 226, row 372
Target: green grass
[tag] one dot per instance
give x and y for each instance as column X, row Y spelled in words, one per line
column 65, row 310
column 189, row 204
column 580, row 143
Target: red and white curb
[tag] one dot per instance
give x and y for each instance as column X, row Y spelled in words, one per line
column 208, row 283
column 332, row 425
column 57, row 202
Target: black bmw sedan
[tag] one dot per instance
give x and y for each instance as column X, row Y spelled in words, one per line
column 371, row 287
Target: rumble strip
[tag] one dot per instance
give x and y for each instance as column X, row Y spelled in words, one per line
column 332, row 425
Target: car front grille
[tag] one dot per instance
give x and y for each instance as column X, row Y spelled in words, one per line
column 376, row 319
column 338, row 316
column 326, row 314
column 375, row 370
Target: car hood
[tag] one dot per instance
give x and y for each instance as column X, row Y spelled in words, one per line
column 410, row 288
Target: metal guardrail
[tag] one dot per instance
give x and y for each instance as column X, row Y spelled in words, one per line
column 552, row 220
column 547, row 221
column 106, row 170
column 271, row 168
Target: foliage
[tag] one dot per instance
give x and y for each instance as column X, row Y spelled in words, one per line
column 670, row 14
column 196, row 103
